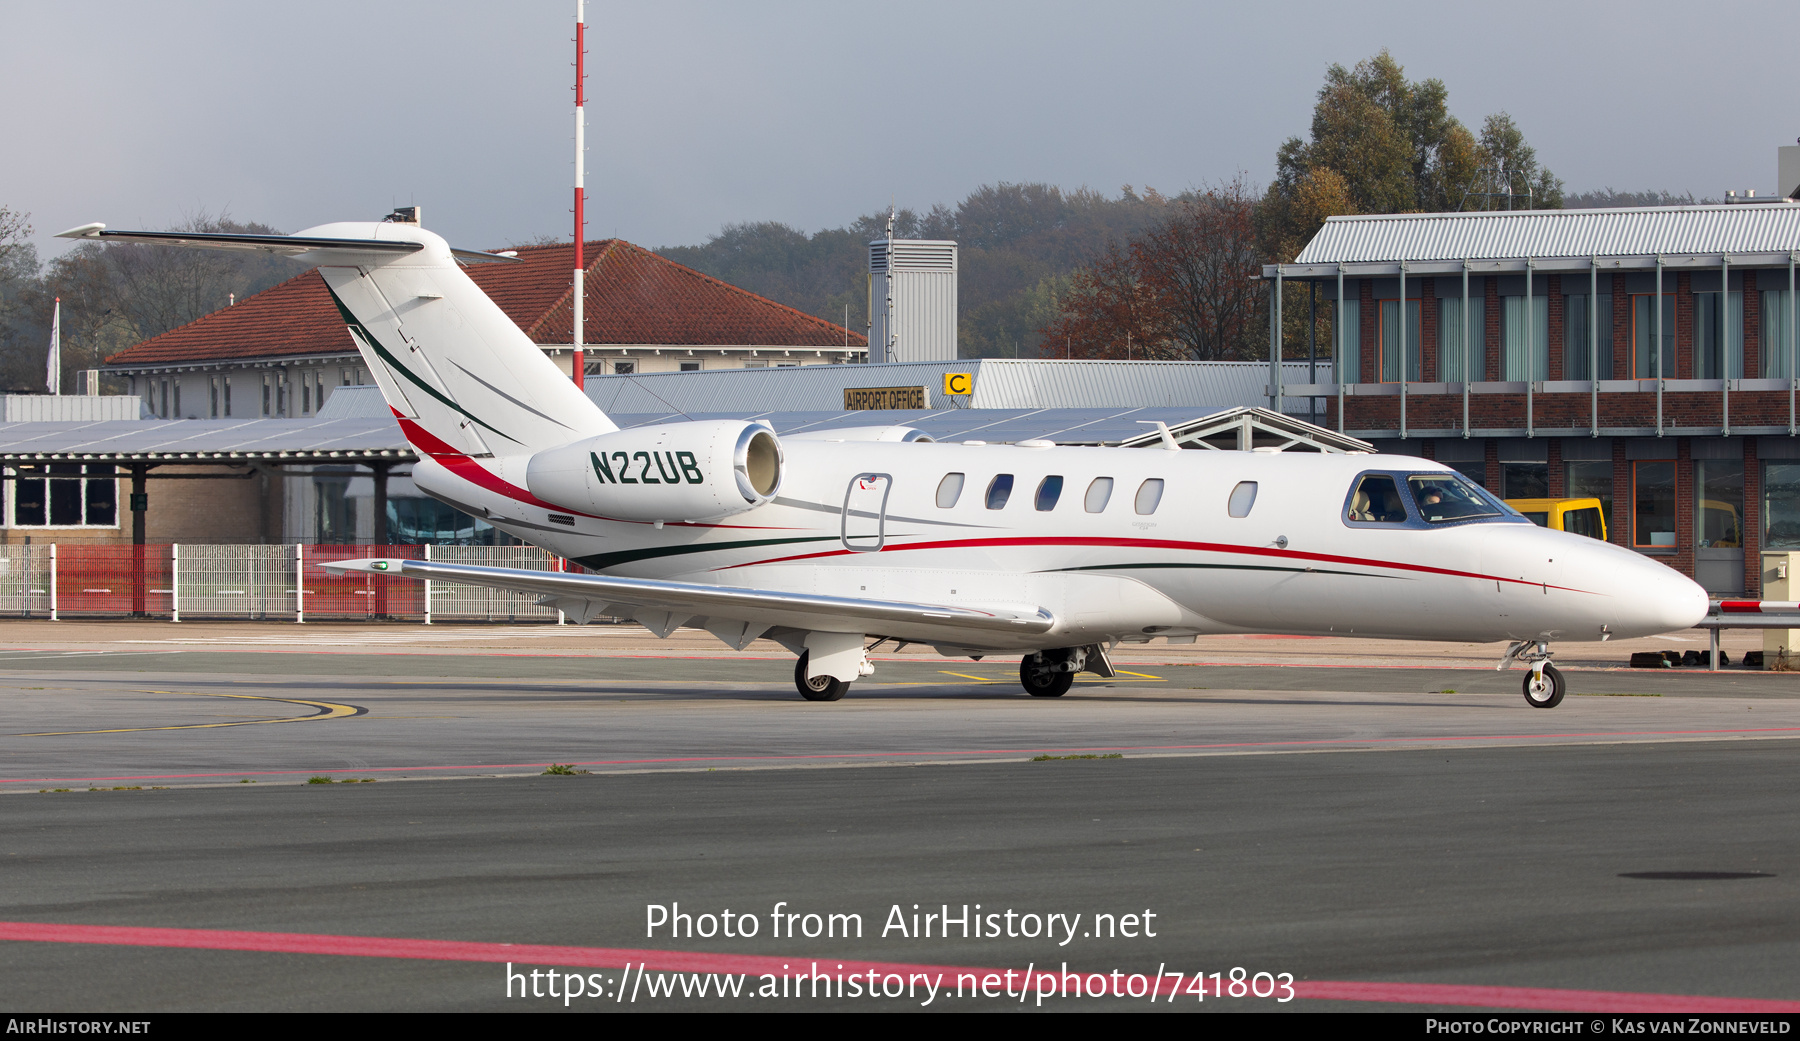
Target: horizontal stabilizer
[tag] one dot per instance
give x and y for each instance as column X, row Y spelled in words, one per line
column 286, row 245
column 772, row 607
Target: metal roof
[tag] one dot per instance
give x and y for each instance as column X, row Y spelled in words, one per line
column 207, row 441
column 1682, row 235
column 998, row 384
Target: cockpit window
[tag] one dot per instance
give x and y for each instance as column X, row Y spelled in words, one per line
column 1376, row 501
column 1447, row 497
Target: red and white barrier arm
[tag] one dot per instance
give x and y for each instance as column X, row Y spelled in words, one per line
column 1752, row 614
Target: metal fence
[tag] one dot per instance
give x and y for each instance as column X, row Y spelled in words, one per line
column 283, row 583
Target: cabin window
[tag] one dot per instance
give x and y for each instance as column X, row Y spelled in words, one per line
column 1448, row 497
column 1049, row 490
column 1097, row 494
column 999, row 490
column 1242, row 498
column 1149, row 496
column 1376, row 501
column 949, row 490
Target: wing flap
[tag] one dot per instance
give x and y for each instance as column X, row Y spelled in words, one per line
column 690, row 599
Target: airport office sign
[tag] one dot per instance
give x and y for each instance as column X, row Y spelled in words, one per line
column 859, row 399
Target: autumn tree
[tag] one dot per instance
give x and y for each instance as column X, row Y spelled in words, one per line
column 1382, row 144
column 1186, row 288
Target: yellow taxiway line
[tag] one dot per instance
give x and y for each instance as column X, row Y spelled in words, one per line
column 327, row 710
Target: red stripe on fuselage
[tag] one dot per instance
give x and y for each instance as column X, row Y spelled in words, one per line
column 1195, row 547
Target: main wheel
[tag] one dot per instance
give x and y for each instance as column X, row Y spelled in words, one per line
column 818, row 688
column 1546, row 692
column 1041, row 680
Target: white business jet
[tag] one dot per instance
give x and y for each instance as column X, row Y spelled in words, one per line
column 835, row 542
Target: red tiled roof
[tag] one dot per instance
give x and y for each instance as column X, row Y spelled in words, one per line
column 633, row 296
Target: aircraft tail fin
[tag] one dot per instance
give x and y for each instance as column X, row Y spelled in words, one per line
column 460, row 375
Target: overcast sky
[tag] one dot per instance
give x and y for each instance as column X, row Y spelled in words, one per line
column 140, row 114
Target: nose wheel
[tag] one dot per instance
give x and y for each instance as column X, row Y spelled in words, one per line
column 1543, row 684
column 1544, row 689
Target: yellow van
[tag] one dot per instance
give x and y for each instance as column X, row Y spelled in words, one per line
column 1580, row 516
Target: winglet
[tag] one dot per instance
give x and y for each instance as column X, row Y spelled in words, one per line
column 85, row 231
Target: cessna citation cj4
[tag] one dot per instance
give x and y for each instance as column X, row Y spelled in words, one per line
column 833, row 543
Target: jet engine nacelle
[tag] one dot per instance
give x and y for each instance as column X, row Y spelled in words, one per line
column 668, row 472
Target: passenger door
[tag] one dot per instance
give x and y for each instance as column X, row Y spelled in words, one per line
column 865, row 512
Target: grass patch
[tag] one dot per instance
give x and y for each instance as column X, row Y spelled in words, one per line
column 318, row 780
column 564, row 770
column 1050, row 758
column 1446, row 690
column 246, row 781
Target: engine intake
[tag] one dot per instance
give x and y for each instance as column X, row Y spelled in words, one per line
column 670, row 472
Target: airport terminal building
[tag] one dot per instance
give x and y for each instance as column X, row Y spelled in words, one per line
column 1644, row 357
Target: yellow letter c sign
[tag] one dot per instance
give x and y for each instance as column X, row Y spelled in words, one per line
column 959, row 383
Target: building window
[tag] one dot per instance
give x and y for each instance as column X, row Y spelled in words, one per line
column 66, row 495
column 212, row 397
column 1718, row 337
column 1719, row 507
column 756, row 363
column 345, row 373
column 334, row 512
column 1525, row 480
column 1474, row 469
column 1591, row 479
column 227, row 382
column 1781, row 505
column 1453, row 332
column 1349, row 361
column 1645, row 363
column 690, row 366
column 1777, row 334
column 1397, row 358
column 165, row 402
column 1577, row 324
column 306, row 403
column 266, row 399
column 624, row 368
column 1523, row 357
column 1653, row 504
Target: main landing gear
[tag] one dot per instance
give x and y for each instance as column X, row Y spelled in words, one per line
column 1544, row 686
column 818, row 688
column 1049, row 674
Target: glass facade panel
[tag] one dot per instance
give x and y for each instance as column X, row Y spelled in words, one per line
column 1718, row 337
column 1777, row 335
column 1525, row 480
column 1719, row 508
column 1578, row 323
column 1349, row 362
column 1454, row 330
column 1591, row 479
column 1645, row 363
column 1653, row 504
column 1397, row 357
column 1781, row 505
column 1522, row 357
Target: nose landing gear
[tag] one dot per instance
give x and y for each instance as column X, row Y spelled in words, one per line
column 1543, row 685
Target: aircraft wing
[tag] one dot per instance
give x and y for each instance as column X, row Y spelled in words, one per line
column 679, row 602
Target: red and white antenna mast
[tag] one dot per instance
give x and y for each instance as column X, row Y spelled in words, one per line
column 579, row 365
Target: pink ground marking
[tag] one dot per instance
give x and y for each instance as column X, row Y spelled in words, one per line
column 686, row 961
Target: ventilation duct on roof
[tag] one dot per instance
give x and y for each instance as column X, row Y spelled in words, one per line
column 912, row 307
